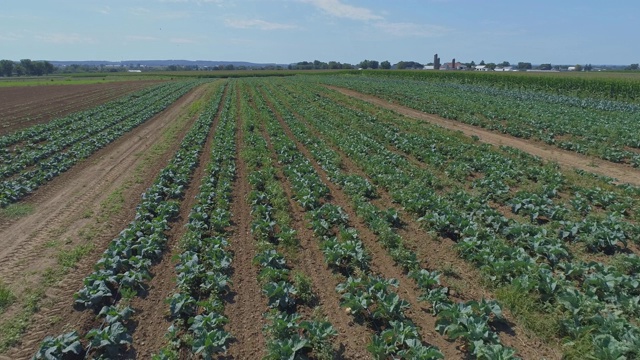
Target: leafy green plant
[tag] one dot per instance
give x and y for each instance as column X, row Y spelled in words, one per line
column 182, row 305
column 281, row 295
column 65, row 346
column 209, row 337
column 110, row 340
column 304, row 288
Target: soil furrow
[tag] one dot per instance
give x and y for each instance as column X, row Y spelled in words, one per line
column 246, row 303
column 352, row 338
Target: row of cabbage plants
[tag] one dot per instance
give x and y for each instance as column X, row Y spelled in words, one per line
column 472, row 321
column 604, row 220
column 289, row 334
column 491, row 241
column 204, row 263
column 124, row 268
column 369, row 297
column 30, row 160
column 594, row 127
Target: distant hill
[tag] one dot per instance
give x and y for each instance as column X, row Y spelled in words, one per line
column 155, row 63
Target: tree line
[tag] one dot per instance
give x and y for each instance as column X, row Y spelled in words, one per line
column 26, row 67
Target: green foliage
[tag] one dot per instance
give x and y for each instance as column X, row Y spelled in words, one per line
column 65, row 346
column 110, row 341
column 304, row 287
column 6, row 297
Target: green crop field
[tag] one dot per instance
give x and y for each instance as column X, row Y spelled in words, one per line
column 287, row 218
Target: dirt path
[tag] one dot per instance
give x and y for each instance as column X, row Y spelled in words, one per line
column 567, row 159
column 246, row 303
column 64, row 208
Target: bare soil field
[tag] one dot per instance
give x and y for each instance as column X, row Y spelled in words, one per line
column 24, row 106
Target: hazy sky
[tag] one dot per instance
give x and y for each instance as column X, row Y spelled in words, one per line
column 285, row 31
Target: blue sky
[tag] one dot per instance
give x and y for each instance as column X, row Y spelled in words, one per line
column 285, row 31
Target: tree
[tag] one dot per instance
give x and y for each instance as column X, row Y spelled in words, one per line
column 6, row 68
column 319, row 65
column 588, row 67
column 545, row 67
column 409, row 65
column 491, row 66
column 20, row 70
column 40, row 68
column 505, row 64
column 578, row 67
column 374, row 64
column 385, row 65
column 27, row 64
column 633, row 67
column 334, row 65
column 482, row 62
column 364, row 64
column 229, row 67
column 524, row 66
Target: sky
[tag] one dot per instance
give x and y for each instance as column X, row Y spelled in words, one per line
column 560, row 32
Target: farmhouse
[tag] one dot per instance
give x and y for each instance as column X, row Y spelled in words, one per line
column 505, row 68
column 453, row 66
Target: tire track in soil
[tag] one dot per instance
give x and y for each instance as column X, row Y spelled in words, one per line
column 566, row 159
column 437, row 253
column 151, row 310
column 102, row 173
column 77, row 191
column 245, row 304
column 352, row 338
column 381, row 262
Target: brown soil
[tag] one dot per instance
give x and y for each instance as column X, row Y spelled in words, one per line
column 352, row 338
column 62, row 209
column 567, row 159
column 246, row 303
column 29, row 105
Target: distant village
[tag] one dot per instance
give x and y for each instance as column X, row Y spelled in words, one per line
column 506, row 66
